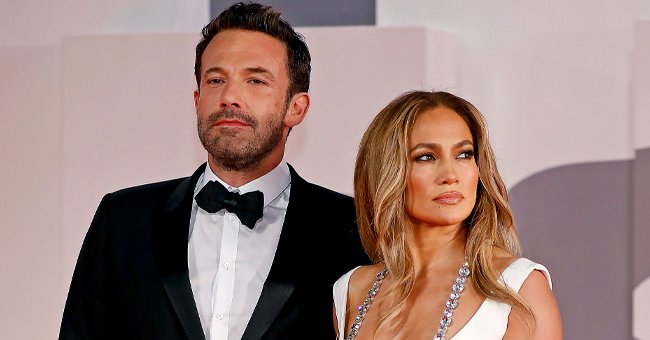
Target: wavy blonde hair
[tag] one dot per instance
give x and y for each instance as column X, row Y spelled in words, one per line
column 380, row 178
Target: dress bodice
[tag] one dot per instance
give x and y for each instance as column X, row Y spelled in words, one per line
column 490, row 320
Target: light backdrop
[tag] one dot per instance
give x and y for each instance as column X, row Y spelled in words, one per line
column 93, row 102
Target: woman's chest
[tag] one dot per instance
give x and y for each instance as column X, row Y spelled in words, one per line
column 421, row 317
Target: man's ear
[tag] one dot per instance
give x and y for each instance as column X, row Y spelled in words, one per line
column 197, row 95
column 297, row 109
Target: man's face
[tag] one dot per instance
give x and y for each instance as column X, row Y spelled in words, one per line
column 242, row 101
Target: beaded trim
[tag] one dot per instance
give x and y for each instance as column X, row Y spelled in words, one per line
column 452, row 302
column 445, row 320
column 363, row 308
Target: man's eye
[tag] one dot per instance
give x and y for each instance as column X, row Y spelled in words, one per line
column 215, row 81
column 257, row 81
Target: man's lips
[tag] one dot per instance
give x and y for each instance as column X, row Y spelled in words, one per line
column 230, row 123
column 449, row 198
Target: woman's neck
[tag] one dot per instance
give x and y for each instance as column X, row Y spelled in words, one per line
column 436, row 247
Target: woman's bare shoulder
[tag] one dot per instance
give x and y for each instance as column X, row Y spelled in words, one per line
column 537, row 294
column 362, row 278
column 502, row 258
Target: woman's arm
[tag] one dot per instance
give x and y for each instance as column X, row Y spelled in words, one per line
column 547, row 324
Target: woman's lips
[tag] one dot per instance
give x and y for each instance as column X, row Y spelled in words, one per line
column 449, row 198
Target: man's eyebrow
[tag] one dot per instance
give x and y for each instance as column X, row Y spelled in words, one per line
column 213, row 69
column 260, row 70
column 249, row 70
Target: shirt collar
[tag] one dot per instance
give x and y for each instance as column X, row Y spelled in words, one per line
column 272, row 184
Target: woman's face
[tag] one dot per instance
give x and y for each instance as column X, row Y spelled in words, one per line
column 443, row 175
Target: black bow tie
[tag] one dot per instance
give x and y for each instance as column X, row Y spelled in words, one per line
column 248, row 207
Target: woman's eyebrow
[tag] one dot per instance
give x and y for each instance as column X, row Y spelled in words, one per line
column 438, row 146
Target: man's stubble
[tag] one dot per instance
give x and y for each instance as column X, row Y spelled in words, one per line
column 235, row 150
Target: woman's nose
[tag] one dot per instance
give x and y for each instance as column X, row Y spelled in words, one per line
column 447, row 173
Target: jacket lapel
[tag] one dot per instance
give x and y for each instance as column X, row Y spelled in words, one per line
column 282, row 279
column 170, row 234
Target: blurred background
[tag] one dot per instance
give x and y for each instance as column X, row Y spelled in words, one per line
column 97, row 95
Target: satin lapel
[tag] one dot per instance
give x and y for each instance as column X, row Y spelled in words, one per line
column 281, row 283
column 170, row 235
column 274, row 296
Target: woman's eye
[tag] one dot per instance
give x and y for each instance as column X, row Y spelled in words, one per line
column 425, row 157
column 468, row 154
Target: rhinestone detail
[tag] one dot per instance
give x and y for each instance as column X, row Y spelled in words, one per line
column 445, row 320
column 363, row 308
column 452, row 302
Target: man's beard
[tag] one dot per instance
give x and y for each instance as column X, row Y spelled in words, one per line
column 240, row 153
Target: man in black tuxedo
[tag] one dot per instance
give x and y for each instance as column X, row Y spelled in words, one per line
column 242, row 249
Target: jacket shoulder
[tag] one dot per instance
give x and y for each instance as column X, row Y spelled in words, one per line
column 149, row 188
column 151, row 195
column 329, row 194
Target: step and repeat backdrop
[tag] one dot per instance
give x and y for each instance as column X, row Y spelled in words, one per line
column 97, row 96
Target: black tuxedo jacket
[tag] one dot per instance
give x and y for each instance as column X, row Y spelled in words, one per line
column 131, row 279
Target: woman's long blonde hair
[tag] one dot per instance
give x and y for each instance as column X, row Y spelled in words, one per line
column 380, row 178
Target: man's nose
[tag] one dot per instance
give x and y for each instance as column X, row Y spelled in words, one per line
column 231, row 96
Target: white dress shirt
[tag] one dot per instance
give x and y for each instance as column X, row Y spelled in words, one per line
column 228, row 262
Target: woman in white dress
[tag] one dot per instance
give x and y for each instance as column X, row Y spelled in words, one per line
column 434, row 217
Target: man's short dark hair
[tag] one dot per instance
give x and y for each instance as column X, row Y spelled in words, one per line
column 259, row 18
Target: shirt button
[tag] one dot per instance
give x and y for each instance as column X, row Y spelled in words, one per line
column 220, row 316
column 226, row 265
column 231, row 217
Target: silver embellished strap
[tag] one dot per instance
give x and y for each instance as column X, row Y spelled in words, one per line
column 363, row 308
column 452, row 302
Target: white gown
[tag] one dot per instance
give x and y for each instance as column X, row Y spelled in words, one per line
column 488, row 323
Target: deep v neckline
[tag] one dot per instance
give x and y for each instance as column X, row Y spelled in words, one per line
column 462, row 330
column 451, row 303
column 474, row 316
column 480, row 308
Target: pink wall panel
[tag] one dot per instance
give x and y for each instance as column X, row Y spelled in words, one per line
column 31, row 283
column 128, row 119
